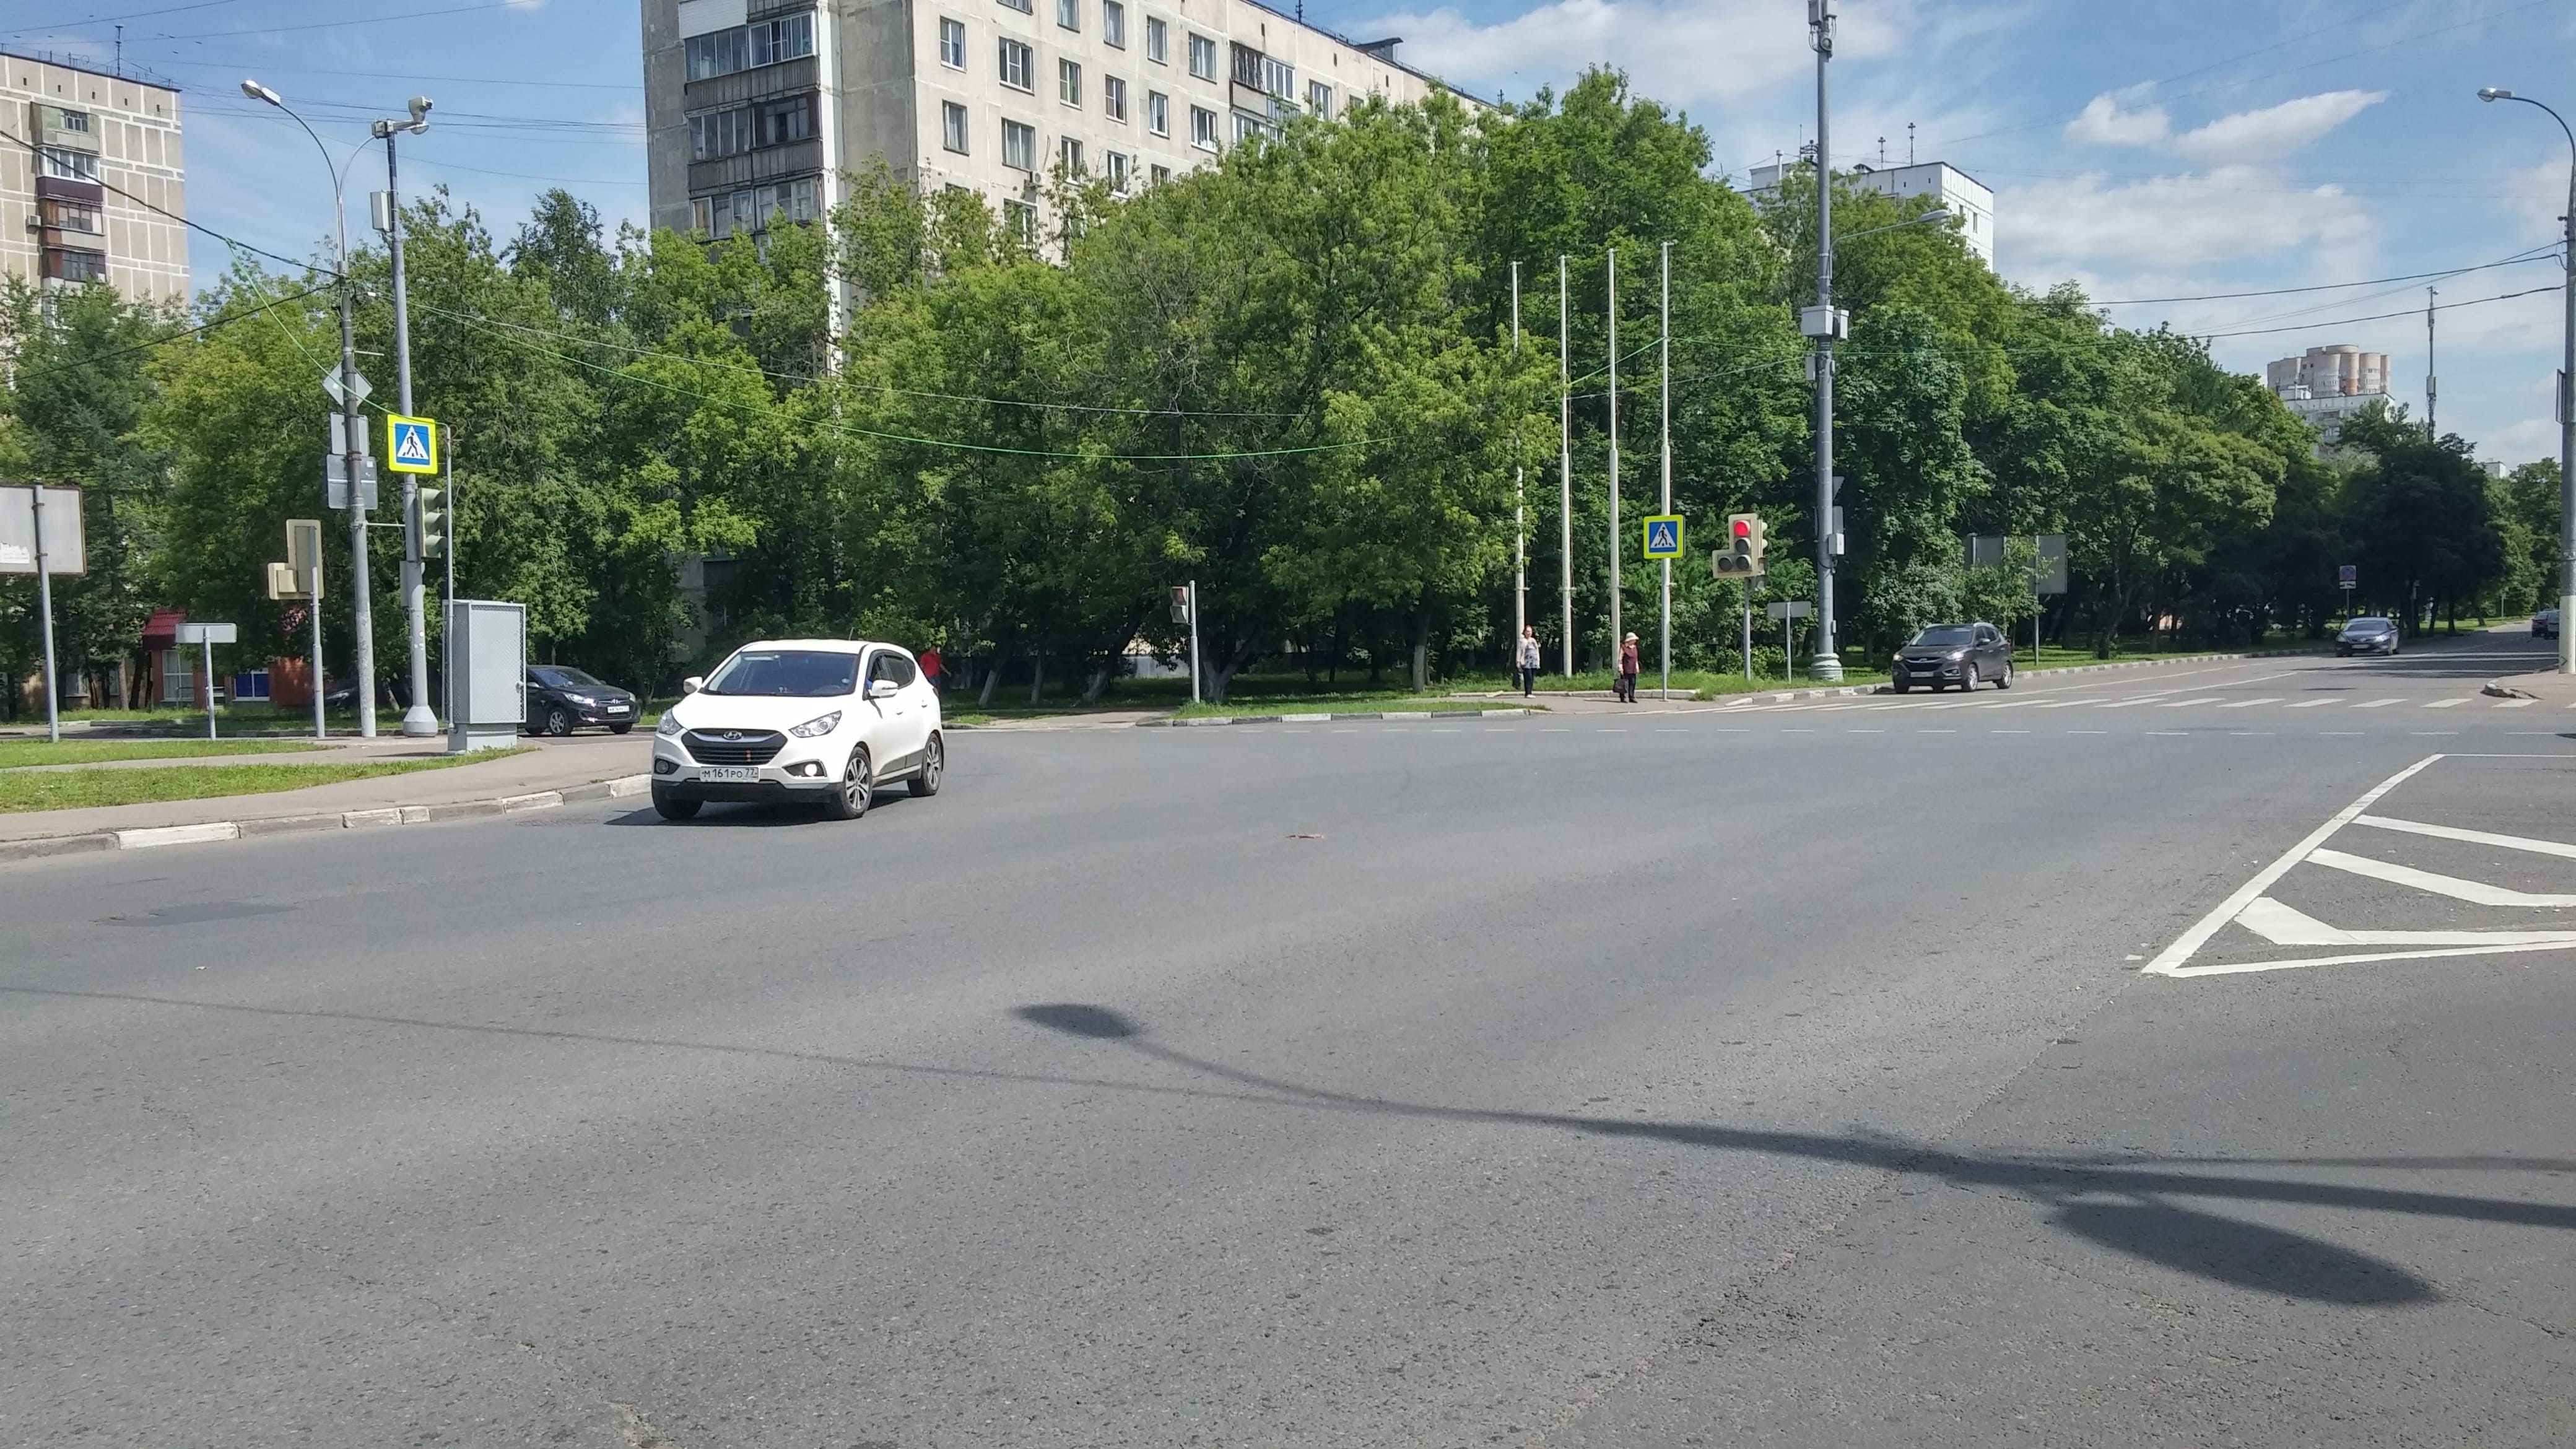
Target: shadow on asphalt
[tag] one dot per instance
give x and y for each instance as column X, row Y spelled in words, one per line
column 2137, row 1221
column 718, row 816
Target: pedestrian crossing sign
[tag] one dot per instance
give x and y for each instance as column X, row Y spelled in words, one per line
column 1664, row 535
column 411, row 443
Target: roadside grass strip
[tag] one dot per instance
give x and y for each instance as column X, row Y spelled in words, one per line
column 25, row 790
column 17, row 754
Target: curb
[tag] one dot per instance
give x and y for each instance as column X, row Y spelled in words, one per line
column 1396, row 714
column 208, row 832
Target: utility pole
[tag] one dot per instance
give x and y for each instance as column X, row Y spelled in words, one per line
column 1520, row 503
column 1828, row 665
column 1616, row 642
column 419, row 721
column 2566, row 397
column 1564, row 474
column 1665, row 347
column 2431, row 387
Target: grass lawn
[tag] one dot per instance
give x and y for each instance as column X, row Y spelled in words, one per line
column 75, row 789
column 1343, row 704
column 14, row 753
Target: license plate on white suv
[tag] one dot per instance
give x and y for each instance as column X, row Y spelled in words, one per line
column 729, row 774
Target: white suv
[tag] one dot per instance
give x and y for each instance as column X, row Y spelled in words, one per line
column 825, row 720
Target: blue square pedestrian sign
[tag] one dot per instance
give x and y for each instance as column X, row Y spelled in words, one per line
column 1664, row 535
column 411, row 444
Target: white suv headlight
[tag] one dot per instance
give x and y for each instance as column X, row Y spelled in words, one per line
column 670, row 725
column 821, row 725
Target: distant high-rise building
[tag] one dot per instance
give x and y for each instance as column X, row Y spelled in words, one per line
column 755, row 109
column 2326, row 385
column 92, row 187
column 1966, row 198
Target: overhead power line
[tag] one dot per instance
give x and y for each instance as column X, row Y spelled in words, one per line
column 2375, row 316
column 38, row 151
column 2538, row 254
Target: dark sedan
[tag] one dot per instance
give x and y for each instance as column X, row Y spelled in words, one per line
column 2371, row 635
column 562, row 699
column 1965, row 655
column 2544, row 625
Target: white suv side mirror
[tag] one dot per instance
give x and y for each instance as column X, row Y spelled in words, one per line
column 883, row 689
column 693, row 684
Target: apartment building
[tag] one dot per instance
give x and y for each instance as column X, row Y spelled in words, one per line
column 1970, row 200
column 92, row 184
column 2326, row 385
column 754, row 109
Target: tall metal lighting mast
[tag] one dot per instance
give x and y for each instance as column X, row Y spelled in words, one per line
column 1824, row 322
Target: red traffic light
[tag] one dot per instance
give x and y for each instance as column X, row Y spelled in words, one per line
column 1743, row 528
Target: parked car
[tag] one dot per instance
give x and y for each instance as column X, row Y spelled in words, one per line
column 1943, row 655
column 2370, row 635
column 562, row 699
column 2544, row 625
column 830, row 721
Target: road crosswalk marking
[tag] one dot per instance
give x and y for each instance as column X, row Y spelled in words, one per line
column 2377, row 703
column 2250, row 703
column 2185, row 703
column 2447, row 703
column 2312, row 703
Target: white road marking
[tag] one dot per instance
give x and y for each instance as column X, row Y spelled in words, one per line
column 2182, row 703
column 2476, row 892
column 2516, row 703
column 2376, row 703
column 2141, row 699
column 2343, row 732
column 1864, row 732
column 2473, row 837
column 2067, row 703
column 2284, row 926
column 2169, row 961
column 2313, row 703
column 2250, row 703
column 2443, row 703
column 2088, row 732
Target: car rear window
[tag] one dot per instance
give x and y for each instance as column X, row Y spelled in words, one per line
column 787, row 673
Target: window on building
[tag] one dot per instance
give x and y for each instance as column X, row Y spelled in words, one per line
column 1158, row 113
column 1019, row 146
column 754, row 209
column 1160, row 174
column 747, row 47
column 1202, row 57
column 952, row 44
column 1203, row 128
column 1068, row 82
column 782, row 122
column 1278, row 77
column 1158, row 41
column 1021, row 218
column 75, row 120
column 1319, row 99
column 1116, row 164
column 1068, row 13
column 63, row 264
column 1015, row 66
column 1113, row 97
column 1113, row 23
column 1069, row 151
column 67, row 165
column 1251, row 128
column 952, row 126
column 1247, row 65
column 67, row 215
column 1021, row 6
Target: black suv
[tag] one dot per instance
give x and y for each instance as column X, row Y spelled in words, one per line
column 1965, row 655
column 561, row 699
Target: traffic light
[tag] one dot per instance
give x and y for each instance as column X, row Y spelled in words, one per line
column 1742, row 556
column 429, row 521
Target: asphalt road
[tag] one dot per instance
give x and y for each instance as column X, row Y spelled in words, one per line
column 1780, row 1074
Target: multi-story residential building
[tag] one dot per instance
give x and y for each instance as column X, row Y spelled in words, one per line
column 2326, row 385
column 92, row 186
column 1967, row 198
column 756, row 108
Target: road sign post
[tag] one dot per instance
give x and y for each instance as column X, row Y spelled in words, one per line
column 1664, row 544
column 40, row 534
column 1786, row 610
column 206, row 637
column 1185, row 609
column 304, row 559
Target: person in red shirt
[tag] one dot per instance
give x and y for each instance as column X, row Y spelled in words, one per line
column 1628, row 669
column 930, row 666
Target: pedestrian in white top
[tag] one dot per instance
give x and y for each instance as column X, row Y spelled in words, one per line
column 1529, row 661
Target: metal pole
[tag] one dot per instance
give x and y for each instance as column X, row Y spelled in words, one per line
column 45, row 611
column 1564, row 475
column 2567, row 428
column 1666, row 410
column 1618, row 642
column 1828, row 666
column 447, row 597
column 418, row 721
column 1747, row 586
column 1194, row 641
column 1520, row 505
column 210, row 686
column 2431, row 389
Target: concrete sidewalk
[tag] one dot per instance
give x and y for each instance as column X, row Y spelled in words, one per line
column 553, row 765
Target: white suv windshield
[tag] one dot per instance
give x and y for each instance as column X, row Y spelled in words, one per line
column 787, row 673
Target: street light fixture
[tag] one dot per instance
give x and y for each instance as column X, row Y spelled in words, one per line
column 355, row 439
column 2566, row 403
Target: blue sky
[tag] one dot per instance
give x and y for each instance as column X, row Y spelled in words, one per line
column 2146, row 149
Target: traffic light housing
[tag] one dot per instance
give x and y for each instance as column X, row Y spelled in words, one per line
column 1741, row 558
column 429, row 522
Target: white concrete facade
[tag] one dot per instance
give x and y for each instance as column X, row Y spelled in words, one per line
column 87, row 159
column 982, row 94
column 1967, row 198
column 2338, row 369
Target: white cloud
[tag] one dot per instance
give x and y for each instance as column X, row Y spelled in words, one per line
column 2275, row 131
column 2175, row 221
column 2106, row 121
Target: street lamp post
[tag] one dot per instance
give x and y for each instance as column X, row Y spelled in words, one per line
column 2566, row 386
column 354, row 443
column 419, row 721
column 1823, row 323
